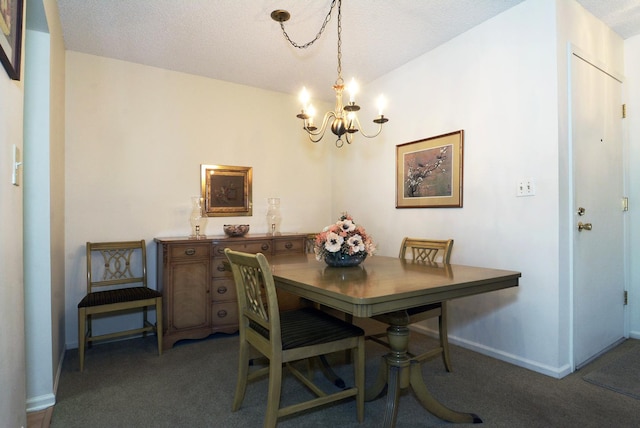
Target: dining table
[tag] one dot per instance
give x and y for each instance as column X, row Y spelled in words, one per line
column 384, row 288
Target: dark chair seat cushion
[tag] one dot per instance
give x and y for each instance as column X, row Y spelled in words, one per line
column 309, row 326
column 118, row 296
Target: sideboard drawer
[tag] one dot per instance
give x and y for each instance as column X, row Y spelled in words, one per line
column 179, row 252
column 224, row 313
column 220, row 269
column 252, row 247
column 223, row 289
column 292, row 245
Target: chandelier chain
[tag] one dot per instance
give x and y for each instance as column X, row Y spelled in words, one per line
column 343, row 120
column 339, row 80
column 324, row 24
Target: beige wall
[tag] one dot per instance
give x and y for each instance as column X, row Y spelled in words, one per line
column 136, row 137
column 12, row 344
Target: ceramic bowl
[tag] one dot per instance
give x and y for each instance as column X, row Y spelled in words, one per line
column 235, row 229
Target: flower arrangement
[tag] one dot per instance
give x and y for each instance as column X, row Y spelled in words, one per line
column 345, row 237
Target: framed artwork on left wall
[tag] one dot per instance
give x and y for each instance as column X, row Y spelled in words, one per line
column 11, row 36
column 226, row 190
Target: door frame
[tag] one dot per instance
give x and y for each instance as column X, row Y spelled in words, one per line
column 572, row 51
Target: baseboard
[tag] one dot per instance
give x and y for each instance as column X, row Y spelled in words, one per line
column 634, row 334
column 35, row 404
column 41, row 402
column 555, row 372
column 56, row 380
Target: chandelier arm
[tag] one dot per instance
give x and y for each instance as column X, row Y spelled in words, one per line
column 320, row 132
column 349, row 137
column 315, row 140
column 364, row 134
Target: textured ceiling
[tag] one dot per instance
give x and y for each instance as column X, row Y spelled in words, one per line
column 237, row 41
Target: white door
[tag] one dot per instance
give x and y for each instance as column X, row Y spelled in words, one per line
column 598, row 263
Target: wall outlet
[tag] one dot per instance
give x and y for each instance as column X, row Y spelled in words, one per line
column 526, row 187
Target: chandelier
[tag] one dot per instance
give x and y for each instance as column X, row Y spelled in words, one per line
column 343, row 120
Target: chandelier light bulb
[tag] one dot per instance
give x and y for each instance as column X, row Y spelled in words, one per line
column 381, row 104
column 353, row 90
column 304, row 98
column 351, row 117
column 311, row 111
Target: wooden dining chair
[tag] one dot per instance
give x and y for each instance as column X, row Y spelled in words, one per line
column 286, row 337
column 428, row 251
column 309, row 243
column 117, row 282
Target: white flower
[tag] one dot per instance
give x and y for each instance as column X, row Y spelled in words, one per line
column 334, row 242
column 356, row 244
column 346, row 225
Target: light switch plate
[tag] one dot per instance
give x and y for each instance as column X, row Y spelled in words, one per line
column 526, row 187
column 17, row 163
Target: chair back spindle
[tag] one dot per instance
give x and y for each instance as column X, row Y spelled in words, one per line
column 427, row 250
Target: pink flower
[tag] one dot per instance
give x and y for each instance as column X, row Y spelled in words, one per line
column 344, row 236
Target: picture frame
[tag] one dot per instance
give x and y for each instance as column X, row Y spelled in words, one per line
column 429, row 172
column 11, row 36
column 226, row 190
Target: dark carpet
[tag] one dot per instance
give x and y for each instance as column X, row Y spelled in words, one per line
column 126, row 384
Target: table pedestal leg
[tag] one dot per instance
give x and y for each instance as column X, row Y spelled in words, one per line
column 377, row 388
column 393, row 395
column 433, row 405
column 399, row 371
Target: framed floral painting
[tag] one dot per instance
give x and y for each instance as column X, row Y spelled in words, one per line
column 11, row 36
column 226, row 190
column 429, row 172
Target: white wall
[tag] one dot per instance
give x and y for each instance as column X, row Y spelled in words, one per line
column 136, row 137
column 44, row 192
column 37, row 230
column 578, row 30
column 632, row 99
column 497, row 82
column 12, row 343
column 505, row 83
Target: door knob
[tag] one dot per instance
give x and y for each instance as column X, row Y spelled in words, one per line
column 584, row 226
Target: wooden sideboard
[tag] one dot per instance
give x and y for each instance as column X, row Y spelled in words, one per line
column 199, row 294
